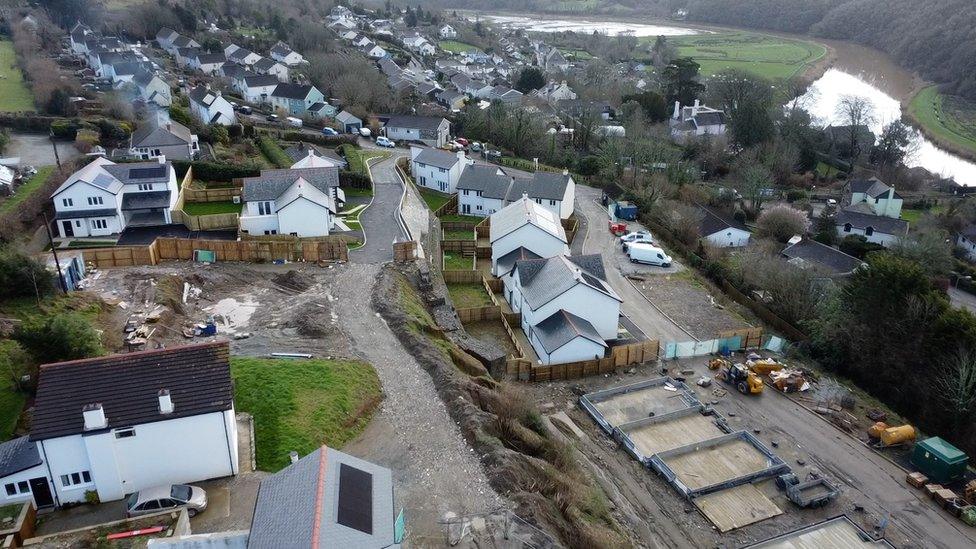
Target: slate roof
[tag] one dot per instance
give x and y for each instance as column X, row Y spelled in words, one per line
column 292, row 91
column 874, row 187
column 182, row 41
column 18, row 455
column 233, row 70
column 132, row 173
column 280, row 49
column 300, row 150
column 264, row 64
column 543, row 280
column 126, row 68
column 315, row 494
column 211, row 58
column 823, row 256
column 127, row 387
column 507, row 262
column 154, row 134
column 272, row 183
column 239, row 54
column 969, row 231
column 166, row 33
column 523, row 212
column 485, row 178
column 437, row 158
column 714, row 222
column 143, row 78
column 259, row 80
column 709, row 118
column 548, row 185
column 145, row 199
column 417, row 122
column 345, row 117
column 879, row 223
column 562, row 327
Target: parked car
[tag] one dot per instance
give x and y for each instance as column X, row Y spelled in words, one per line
column 365, row 132
column 384, row 141
column 831, row 202
column 496, row 154
column 272, row 118
column 245, row 109
column 633, row 235
column 166, row 498
column 649, row 254
column 329, row 131
column 462, row 141
column 642, row 239
column 295, row 122
column 476, row 147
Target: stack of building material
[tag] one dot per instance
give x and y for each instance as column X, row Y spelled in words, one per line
column 917, row 480
column 787, row 380
column 969, row 492
column 931, row 489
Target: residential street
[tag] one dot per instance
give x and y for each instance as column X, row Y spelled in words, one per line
column 380, row 218
column 598, row 240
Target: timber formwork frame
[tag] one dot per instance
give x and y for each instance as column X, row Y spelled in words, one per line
column 621, row 433
column 589, row 400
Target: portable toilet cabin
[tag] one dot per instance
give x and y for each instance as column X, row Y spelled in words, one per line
column 942, row 462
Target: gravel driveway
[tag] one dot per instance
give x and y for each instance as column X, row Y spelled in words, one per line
column 379, row 219
column 434, row 469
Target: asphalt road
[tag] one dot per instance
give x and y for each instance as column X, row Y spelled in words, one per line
column 380, row 219
column 598, row 239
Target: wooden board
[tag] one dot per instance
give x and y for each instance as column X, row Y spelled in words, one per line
column 736, row 507
column 635, row 405
column 716, row 464
column 666, row 435
column 838, row 533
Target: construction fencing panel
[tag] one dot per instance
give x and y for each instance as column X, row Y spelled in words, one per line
column 686, row 349
column 477, row 314
column 122, row 256
column 751, row 337
column 624, row 355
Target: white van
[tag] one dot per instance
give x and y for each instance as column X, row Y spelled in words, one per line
column 292, row 121
column 639, row 252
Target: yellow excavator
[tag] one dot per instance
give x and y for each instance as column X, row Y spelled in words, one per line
column 739, row 376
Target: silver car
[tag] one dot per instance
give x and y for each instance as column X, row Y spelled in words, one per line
column 166, row 498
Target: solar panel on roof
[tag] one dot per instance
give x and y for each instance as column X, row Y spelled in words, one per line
column 103, row 181
column 355, row 499
column 148, row 173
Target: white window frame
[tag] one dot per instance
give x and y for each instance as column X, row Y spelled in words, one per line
column 68, row 481
column 17, row 491
column 67, row 202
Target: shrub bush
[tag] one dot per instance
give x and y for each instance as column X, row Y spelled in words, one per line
column 20, row 274
column 353, row 180
column 214, row 171
column 274, row 153
column 66, row 336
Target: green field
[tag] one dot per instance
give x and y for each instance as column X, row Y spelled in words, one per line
column 581, row 55
column 302, row 404
column 14, row 94
column 947, row 118
column 454, row 46
column 25, row 190
column 457, row 262
column 767, row 56
column 211, row 208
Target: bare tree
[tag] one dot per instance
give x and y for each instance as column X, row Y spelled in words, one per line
column 856, row 112
column 956, row 385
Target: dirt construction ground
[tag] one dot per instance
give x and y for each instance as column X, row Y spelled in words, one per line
column 873, row 489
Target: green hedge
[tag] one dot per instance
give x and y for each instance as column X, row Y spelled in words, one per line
column 275, row 154
column 323, row 140
column 353, row 180
column 214, row 171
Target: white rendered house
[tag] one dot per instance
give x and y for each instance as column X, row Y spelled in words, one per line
column 300, row 202
column 483, row 190
column 210, row 107
column 436, row 169
column 524, row 225
column 696, row 121
column 104, row 198
column 117, row 424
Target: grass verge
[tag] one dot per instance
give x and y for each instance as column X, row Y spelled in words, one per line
column 945, row 118
column 433, row 199
column 468, row 295
column 25, row 190
column 302, row 404
column 457, row 262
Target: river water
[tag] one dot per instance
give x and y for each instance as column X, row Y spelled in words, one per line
column 856, row 70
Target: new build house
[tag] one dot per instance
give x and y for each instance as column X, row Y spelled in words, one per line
column 568, row 309
column 521, row 228
column 429, row 130
column 300, row 202
column 483, row 190
column 437, row 169
column 117, row 424
column 104, row 198
column 161, row 137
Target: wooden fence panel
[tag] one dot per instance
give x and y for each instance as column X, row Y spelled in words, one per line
column 449, row 208
column 462, row 277
column 478, row 314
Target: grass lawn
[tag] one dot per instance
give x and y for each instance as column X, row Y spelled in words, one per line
column 357, row 157
column 454, row 46
column 826, row 170
column 25, row 190
column 912, row 216
column 302, row 404
column 462, row 218
column 456, row 262
column 91, row 243
column 767, row 56
column 433, row 199
column 947, row 118
column 458, row 235
column 14, row 94
column 211, row 208
column 357, row 192
column 581, row 55
column 468, row 295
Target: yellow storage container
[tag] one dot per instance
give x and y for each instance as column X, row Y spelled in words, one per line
column 897, row 435
column 875, row 430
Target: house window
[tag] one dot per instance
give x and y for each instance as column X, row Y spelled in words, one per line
column 77, row 223
column 75, row 479
column 17, row 488
column 538, row 201
column 264, row 208
column 145, row 187
column 869, row 231
column 125, row 433
column 465, row 192
column 847, row 227
column 552, row 202
column 442, row 170
column 271, row 232
column 67, row 202
column 94, row 200
column 99, row 224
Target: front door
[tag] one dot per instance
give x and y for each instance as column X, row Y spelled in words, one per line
column 42, row 492
column 67, row 229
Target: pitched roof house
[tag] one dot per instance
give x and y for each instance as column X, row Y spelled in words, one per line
column 698, row 120
column 311, row 156
column 268, row 66
column 872, row 196
column 152, row 88
column 326, row 499
column 878, row 229
column 810, row 254
column 524, row 224
column 429, row 130
column 210, row 107
column 568, row 309
column 300, row 202
column 163, row 138
column 296, row 99
column 282, row 53
column 96, row 420
column 722, row 231
column 484, row 190
column 436, row 169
